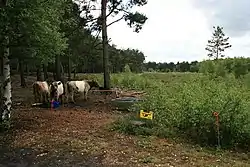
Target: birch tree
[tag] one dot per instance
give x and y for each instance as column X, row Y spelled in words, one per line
column 6, row 96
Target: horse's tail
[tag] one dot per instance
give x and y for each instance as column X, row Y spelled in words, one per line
column 35, row 90
column 88, row 86
column 66, row 88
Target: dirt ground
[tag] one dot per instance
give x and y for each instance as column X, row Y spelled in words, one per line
column 80, row 137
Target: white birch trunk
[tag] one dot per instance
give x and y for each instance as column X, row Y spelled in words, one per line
column 6, row 87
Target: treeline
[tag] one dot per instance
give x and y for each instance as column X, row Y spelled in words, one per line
column 88, row 63
column 135, row 59
column 172, row 67
column 239, row 66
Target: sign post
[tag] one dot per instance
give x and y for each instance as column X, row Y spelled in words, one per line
column 146, row 115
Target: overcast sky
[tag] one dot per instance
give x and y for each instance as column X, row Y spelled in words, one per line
column 178, row 30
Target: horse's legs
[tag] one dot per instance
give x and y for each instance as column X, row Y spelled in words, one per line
column 41, row 98
column 38, row 98
column 62, row 100
column 46, row 98
column 85, row 93
column 72, row 97
column 35, row 97
column 67, row 97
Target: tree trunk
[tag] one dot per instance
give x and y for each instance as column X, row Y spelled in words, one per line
column 27, row 69
column 62, row 72
column 217, row 52
column 1, row 66
column 39, row 74
column 54, row 75
column 17, row 66
column 83, row 70
column 58, row 68
column 105, row 46
column 6, row 84
column 69, row 68
column 45, row 71
column 75, row 72
column 21, row 71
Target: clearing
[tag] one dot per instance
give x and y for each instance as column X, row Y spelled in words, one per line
column 80, row 136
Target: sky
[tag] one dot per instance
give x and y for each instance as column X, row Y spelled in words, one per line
column 178, row 30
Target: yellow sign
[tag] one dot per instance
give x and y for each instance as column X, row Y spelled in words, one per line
column 146, row 115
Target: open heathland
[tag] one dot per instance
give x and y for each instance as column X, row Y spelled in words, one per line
column 84, row 135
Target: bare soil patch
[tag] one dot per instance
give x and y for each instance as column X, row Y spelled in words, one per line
column 80, row 136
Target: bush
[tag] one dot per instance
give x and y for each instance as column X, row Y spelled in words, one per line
column 184, row 105
column 199, row 100
column 240, row 67
column 220, row 67
column 214, row 68
column 131, row 81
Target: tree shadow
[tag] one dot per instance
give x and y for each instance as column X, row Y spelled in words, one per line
column 27, row 157
column 34, row 157
column 24, row 124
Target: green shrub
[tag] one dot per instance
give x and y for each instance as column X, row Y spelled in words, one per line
column 130, row 81
column 237, row 66
column 240, row 67
column 184, row 104
column 207, row 67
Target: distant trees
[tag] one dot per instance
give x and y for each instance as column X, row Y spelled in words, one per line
column 172, row 67
column 239, row 66
column 218, row 43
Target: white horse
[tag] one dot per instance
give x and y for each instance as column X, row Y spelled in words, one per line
column 81, row 87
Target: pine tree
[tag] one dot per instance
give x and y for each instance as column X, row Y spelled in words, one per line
column 218, row 43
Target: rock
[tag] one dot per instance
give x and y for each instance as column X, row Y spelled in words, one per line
column 138, row 123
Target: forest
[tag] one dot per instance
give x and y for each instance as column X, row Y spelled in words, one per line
column 62, row 36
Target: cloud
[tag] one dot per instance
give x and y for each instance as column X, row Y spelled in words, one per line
column 174, row 31
column 231, row 14
column 178, row 30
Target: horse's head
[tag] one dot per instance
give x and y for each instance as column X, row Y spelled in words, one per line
column 54, row 88
column 93, row 84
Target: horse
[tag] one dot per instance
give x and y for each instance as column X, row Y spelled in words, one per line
column 82, row 87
